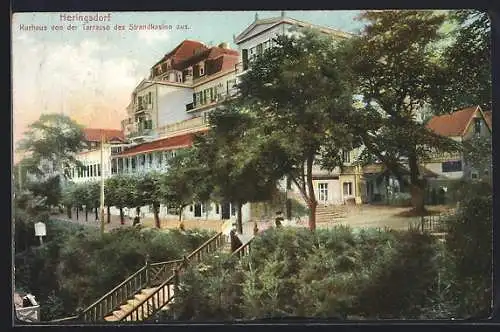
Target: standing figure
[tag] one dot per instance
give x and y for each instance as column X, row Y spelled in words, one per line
column 279, row 219
column 235, row 240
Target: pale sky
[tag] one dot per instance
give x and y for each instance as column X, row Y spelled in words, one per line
column 90, row 75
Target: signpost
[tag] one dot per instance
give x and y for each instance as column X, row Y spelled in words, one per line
column 40, row 231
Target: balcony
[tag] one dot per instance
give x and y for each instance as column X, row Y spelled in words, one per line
column 189, row 125
column 437, row 157
column 239, row 68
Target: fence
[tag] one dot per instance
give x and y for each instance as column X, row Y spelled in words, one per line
column 431, row 224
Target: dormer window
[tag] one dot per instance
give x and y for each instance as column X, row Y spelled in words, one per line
column 202, row 68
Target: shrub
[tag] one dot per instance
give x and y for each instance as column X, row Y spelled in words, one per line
column 469, row 246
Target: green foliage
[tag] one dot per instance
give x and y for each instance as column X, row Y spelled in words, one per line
column 187, row 180
column 467, row 63
column 395, row 65
column 51, row 143
column 76, row 265
column 209, row 291
column 478, row 156
column 334, row 273
column 49, row 188
column 469, row 246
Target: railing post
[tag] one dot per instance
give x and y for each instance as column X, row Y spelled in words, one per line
column 147, row 270
column 175, row 288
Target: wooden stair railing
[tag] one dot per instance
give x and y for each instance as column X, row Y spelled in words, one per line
column 148, row 275
column 243, row 250
column 163, row 294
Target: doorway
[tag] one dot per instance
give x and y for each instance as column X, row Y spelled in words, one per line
column 197, row 210
column 225, row 211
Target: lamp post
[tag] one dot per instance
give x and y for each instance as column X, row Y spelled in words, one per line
column 40, row 231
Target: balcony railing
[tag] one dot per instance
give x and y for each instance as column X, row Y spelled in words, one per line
column 186, row 125
column 442, row 156
column 239, row 68
column 140, row 133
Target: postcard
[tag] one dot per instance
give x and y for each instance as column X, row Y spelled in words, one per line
column 241, row 166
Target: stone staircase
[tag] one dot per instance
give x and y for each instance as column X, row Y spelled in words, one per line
column 125, row 310
column 328, row 213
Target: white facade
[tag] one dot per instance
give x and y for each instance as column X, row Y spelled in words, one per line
column 91, row 162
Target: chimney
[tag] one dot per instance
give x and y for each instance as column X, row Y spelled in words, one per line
column 224, row 45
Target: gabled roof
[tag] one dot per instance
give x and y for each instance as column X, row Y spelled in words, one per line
column 164, row 144
column 264, row 24
column 95, row 134
column 456, row 123
column 184, row 50
column 208, row 54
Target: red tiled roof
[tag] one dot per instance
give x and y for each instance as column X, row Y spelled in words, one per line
column 453, row 124
column 94, row 134
column 164, row 144
column 184, row 50
column 213, row 54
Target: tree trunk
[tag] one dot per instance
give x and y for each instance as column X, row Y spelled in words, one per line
column 77, row 210
column 417, row 199
column 312, row 203
column 207, row 204
column 417, row 187
column 156, row 211
column 86, row 214
column 180, row 213
column 138, row 211
column 109, row 214
column 288, row 209
column 122, row 217
column 68, row 210
column 96, row 213
column 239, row 218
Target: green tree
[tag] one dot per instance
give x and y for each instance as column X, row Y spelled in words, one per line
column 94, row 197
column 79, row 198
column 120, row 192
column 469, row 247
column 67, row 199
column 300, row 96
column 50, row 144
column 478, row 156
column 178, row 184
column 226, row 168
column 149, row 188
column 395, row 64
column 49, row 187
column 467, row 63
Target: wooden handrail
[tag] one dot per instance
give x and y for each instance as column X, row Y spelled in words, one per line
column 167, row 262
column 112, row 292
column 200, row 248
column 139, row 309
column 241, row 250
column 121, row 292
column 65, row 319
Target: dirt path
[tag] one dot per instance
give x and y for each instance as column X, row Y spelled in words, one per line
column 366, row 216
